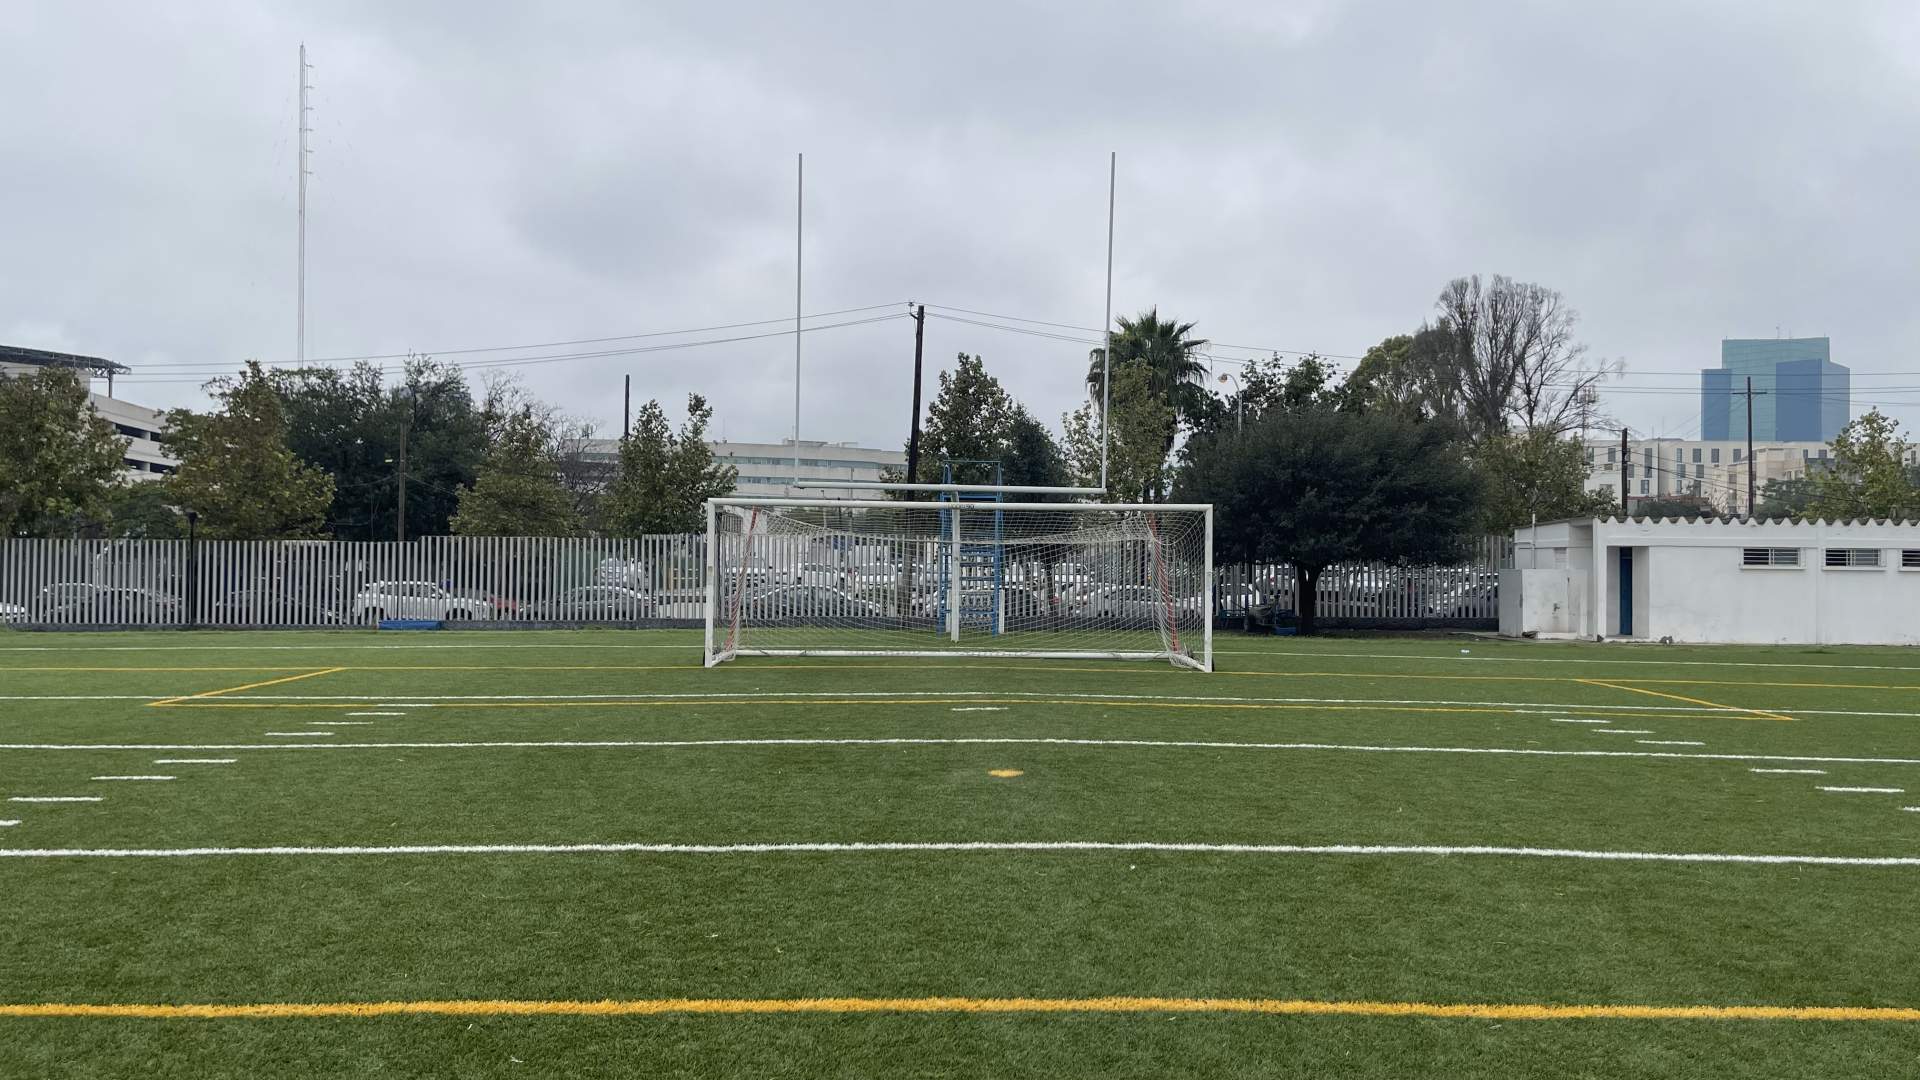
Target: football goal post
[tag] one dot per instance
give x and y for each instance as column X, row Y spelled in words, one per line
column 828, row 577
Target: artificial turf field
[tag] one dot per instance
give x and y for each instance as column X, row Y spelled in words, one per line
column 537, row 854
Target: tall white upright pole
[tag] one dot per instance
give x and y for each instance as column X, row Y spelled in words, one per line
column 300, row 316
column 799, row 220
column 1106, row 326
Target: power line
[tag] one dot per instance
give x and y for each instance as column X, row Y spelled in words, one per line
column 526, row 361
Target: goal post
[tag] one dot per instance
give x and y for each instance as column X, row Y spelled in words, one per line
column 830, row 577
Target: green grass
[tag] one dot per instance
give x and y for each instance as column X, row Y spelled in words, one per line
column 1405, row 928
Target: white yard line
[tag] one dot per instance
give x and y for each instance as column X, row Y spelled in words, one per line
column 8, row 823
column 296, row 734
column 133, row 778
column 341, row 723
column 195, row 761
column 970, row 846
column 1621, row 731
column 944, row 696
column 978, row 708
column 1151, row 744
column 1668, row 742
column 1573, row 720
column 55, row 798
column 376, row 714
column 1797, row 772
column 1864, row 790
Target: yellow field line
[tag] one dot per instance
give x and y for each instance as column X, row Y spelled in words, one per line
column 248, row 686
column 191, row 703
column 279, row 667
column 957, row 1005
column 1761, row 713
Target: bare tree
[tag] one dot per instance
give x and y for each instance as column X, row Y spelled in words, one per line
column 1513, row 357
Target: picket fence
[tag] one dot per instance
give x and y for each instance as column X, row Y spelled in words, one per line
column 651, row 580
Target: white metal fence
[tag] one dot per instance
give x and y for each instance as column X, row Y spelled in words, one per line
column 652, row 580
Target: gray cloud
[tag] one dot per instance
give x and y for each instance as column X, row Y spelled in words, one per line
column 1299, row 176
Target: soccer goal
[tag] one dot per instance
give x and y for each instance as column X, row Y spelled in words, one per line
column 821, row 577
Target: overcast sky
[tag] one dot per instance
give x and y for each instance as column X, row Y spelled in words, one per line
column 1295, row 176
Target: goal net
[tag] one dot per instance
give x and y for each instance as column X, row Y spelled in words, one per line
column 815, row 577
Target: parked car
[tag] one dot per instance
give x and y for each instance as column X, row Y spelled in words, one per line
column 807, row 601
column 62, row 594
column 415, row 600
column 109, row 606
column 264, row 607
column 1132, row 602
column 595, row 603
column 13, row 613
column 503, row 608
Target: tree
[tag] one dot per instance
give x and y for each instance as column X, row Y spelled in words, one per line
column 236, row 470
column 1506, row 357
column 1168, row 352
column 59, row 459
column 518, row 490
column 1868, row 478
column 143, row 511
column 1533, row 476
column 1675, row 506
column 665, row 478
column 352, row 425
column 1321, row 487
column 971, row 418
column 1785, row 497
column 1136, row 450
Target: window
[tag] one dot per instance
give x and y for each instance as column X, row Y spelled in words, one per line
column 1769, row 556
column 1823, row 453
column 1736, row 455
column 1643, row 487
column 1629, row 468
column 1646, row 457
column 1910, row 559
column 1716, row 455
column 1696, row 455
column 1853, row 557
column 1589, row 455
column 1611, row 459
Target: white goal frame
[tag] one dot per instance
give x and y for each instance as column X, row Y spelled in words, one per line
column 722, row 640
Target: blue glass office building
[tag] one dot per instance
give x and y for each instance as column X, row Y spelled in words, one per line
column 1800, row 394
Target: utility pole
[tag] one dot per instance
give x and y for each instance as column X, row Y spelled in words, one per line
column 626, row 408
column 1626, row 470
column 300, row 315
column 1748, row 394
column 913, row 432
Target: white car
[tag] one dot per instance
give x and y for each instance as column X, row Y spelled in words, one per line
column 416, row 600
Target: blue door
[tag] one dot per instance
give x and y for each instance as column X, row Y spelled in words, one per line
column 1626, row 592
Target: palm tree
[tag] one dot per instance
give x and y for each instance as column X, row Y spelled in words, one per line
column 1174, row 373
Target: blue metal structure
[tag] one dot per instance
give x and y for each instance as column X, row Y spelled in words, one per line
column 978, row 558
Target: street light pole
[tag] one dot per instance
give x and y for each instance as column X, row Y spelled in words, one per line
column 1239, row 401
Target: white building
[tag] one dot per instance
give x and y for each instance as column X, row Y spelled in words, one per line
column 768, row 468
column 1690, row 468
column 1715, row 581
column 145, row 458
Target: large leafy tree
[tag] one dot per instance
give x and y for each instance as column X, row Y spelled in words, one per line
column 236, row 470
column 665, row 477
column 1318, row 487
column 352, row 424
column 1785, row 497
column 518, row 491
column 1136, row 448
column 972, row 419
column 1533, row 476
column 59, row 459
column 143, row 511
column 1869, row 478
